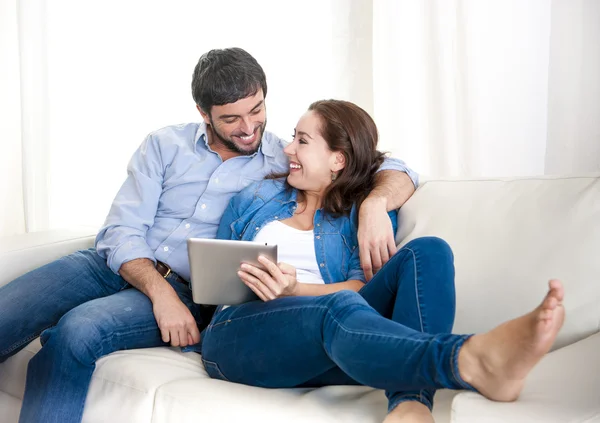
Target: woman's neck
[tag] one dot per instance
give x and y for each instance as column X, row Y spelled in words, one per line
column 310, row 201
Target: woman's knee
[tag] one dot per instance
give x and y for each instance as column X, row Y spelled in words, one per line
column 428, row 259
column 430, row 245
column 345, row 300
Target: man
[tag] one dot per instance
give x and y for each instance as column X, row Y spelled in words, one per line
column 132, row 291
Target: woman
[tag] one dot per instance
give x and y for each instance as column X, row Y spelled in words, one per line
column 317, row 322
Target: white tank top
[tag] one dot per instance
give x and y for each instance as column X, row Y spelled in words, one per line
column 295, row 247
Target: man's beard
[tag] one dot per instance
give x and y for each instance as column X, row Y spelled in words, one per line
column 233, row 147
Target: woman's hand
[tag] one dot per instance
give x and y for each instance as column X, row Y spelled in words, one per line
column 279, row 280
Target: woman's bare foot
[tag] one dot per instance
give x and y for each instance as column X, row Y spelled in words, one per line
column 410, row 412
column 497, row 362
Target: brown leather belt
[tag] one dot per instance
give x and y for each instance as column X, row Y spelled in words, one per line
column 165, row 271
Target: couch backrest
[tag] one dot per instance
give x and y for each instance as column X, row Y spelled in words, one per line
column 509, row 237
column 20, row 254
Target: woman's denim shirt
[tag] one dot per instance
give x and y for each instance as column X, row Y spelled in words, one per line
column 336, row 244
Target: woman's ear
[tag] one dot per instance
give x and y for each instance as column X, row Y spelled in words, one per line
column 340, row 162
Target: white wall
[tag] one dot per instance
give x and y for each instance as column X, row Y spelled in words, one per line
column 119, row 70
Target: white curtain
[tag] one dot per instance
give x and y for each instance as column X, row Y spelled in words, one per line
column 12, row 216
column 457, row 87
column 489, row 88
column 573, row 142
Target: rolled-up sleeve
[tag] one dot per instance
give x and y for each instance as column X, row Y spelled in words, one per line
column 123, row 236
column 355, row 270
column 391, row 163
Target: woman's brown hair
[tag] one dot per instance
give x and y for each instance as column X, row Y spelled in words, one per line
column 350, row 130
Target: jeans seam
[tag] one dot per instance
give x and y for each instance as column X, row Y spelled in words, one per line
column 111, row 338
column 410, row 397
column 454, row 364
column 81, row 408
column 133, row 330
column 215, row 366
column 417, row 292
column 381, row 335
column 269, row 312
column 27, row 340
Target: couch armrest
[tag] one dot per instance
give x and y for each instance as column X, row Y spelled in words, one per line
column 21, row 253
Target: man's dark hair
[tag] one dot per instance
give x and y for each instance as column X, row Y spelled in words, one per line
column 224, row 76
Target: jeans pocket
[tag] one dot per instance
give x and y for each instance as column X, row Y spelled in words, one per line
column 213, row 370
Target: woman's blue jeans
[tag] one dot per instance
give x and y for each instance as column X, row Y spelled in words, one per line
column 394, row 334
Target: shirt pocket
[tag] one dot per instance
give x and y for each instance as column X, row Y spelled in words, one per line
column 238, row 227
column 347, row 249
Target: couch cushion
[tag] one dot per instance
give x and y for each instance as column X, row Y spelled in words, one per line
column 124, row 385
column 9, row 408
column 203, row 399
column 509, row 236
column 14, row 370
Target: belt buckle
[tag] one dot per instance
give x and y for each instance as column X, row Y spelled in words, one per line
column 168, row 270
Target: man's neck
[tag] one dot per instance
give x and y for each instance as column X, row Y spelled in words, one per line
column 218, row 147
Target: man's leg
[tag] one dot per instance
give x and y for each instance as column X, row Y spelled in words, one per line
column 59, row 375
column 38, row 299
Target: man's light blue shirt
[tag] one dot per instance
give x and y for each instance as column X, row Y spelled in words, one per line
column 178, row 188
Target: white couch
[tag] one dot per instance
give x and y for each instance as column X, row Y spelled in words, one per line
column 509, row 237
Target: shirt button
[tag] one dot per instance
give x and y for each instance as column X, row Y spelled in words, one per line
column 276, row 217
column 318, row 224
column 216, row 180
column 187, row 225
column 203, row 206
column 322, row 264
column 257, row 228
column 166, row 248
column 318, row 236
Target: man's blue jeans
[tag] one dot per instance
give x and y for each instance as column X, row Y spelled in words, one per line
column 83, row 311
column 394, row 334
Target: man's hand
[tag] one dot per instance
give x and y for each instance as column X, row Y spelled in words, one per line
column 279, row 280
column 176, row 323
column 375, row 236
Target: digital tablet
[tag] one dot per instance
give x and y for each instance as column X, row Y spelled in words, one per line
column 214, row 264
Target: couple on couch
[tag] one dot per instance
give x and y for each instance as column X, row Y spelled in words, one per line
column 323, row 318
